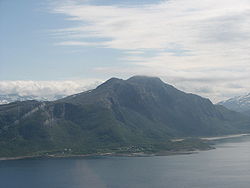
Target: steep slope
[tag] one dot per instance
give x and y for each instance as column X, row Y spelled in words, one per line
column 140, row 111
column 238, row 104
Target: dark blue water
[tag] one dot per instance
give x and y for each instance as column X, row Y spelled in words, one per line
column 226, row 167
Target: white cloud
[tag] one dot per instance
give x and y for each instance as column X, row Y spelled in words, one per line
column 76, row 43
column 47, row 88
column 192, row 40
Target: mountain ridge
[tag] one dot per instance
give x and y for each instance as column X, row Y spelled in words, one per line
column 238, row 104
column 13, row 97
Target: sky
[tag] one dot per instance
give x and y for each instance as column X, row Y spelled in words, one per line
column 67, row 46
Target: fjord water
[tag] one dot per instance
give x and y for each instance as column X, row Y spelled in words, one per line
column 228, row 166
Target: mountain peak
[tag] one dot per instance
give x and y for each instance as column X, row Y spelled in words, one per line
column 110, row 82
column 114, row 79
column 146, row 81
column 142, row 78
column 238, row 103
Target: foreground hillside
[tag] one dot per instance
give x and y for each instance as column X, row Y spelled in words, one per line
column 134, row 115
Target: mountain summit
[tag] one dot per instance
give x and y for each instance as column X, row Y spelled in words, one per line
column 138, row 111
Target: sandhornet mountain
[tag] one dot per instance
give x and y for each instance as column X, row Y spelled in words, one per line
column 138, row 113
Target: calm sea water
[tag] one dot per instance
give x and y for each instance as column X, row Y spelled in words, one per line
column 226, row 167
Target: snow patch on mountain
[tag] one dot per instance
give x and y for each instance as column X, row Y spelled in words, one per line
column 239, row 103
column 8, row 98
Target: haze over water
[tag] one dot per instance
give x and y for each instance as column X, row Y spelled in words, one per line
column 228, row 166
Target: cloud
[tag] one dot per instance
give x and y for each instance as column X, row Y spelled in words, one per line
column 47, row 88
column 76, row 43
column 199, row 44
column 159, row 26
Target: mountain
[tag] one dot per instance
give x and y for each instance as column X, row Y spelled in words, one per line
column 238, row 104
column 8, row 98
column 141, row 113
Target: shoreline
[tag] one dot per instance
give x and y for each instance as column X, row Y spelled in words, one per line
column 224, row 137
column 139, row 154
column 214, row 137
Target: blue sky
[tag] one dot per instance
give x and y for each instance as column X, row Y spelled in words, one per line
column 198, row 46
column 27, row 47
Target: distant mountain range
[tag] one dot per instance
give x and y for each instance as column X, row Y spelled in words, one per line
column 8, row 98
column 141, row 113
column 238, row 104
